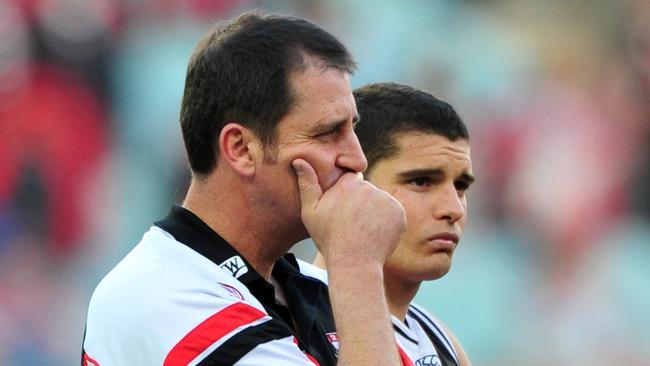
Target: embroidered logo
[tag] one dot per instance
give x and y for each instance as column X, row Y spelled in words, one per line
column 233, row 291
column 235, row 265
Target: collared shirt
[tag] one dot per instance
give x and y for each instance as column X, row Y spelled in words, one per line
column 184, row 295
column 425, row 339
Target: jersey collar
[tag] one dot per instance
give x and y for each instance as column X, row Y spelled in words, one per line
column 189, row 229
column 311, row 316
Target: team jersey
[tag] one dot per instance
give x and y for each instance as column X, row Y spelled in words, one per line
column 184, row 296
column 421, row 336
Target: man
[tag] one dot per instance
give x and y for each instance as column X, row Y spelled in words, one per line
column 418, row 151
column 267, row 119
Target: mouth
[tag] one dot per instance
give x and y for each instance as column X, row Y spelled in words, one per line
column 444, row 241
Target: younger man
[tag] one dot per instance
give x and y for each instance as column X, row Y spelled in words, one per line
column 418, row 150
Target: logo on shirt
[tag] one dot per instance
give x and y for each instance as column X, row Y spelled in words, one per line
column 235, row 265
column 431, row 360
column 334, row 339
column 233, row 291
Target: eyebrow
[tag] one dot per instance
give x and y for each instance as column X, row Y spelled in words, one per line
column 467, row 177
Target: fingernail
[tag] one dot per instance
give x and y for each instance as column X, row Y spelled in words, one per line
column 296, row 167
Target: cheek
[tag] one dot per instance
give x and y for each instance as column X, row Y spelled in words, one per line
column 327, row 177
column 319, row 160
column 417, row 214
column 324, row 165
column 463, row 219
column 413, row 205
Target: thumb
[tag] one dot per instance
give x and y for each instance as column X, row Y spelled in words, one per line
column 308, row 186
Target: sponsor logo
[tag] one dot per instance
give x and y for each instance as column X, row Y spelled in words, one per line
column 431, row 360
column 235, row 265
column 334, row 339
column 233, row 291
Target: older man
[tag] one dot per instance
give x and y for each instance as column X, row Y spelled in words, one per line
column 267, row 119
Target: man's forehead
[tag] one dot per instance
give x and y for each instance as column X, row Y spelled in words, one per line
column 428, row 141
column 322, row 97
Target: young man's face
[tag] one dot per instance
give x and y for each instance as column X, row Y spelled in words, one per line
column 318, row 129
column 429, row 176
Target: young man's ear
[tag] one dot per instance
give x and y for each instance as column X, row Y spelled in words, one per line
column 239, row 147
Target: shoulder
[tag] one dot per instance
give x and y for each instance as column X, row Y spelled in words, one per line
column 312, row 271
column 166, row 304
column 159, row 269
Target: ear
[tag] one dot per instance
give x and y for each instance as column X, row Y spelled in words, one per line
column 237, row 148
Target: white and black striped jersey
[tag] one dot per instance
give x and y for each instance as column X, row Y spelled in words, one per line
column 184, row 296
column 425, row 339
column 422, row 337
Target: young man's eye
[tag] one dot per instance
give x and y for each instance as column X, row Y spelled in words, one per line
column 420, row 182
column 462, row 185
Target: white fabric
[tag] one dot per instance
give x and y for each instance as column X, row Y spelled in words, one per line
column 160, row 292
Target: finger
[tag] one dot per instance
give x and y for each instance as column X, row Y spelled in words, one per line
column 310, row 191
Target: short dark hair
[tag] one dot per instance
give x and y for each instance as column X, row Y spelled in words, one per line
column 239, row 72
column 387, row 110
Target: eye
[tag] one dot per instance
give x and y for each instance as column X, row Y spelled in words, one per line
column 327, row 133
column 461, row 185
column 420, row 181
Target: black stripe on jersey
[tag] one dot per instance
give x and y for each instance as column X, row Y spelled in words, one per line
column 432, row 324
column 245, row 341
column 444, row 354
column 401, row 332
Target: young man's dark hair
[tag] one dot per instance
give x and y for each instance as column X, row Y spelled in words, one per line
column 239, row 72
column 395, row 109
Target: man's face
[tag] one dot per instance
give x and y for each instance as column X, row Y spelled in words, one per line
column 429, row 176
column 318, row 129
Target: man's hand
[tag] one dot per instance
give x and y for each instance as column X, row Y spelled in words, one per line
column 355, row 226
column 352, row 221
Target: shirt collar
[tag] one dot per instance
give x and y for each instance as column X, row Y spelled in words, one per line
column 311, row 315
column 190, row 230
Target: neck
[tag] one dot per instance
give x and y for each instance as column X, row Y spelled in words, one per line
column 399, row 294
column 223, row 206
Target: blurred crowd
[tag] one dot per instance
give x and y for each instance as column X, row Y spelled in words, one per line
column 554, row 266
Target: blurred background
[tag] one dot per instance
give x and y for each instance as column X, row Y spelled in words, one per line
column 555, row 263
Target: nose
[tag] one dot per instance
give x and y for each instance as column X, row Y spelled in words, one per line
column 351, row 157
column 450, row 206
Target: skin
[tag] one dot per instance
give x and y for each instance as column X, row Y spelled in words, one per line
column 278, row 196
column 429, row 175
column 318, row 130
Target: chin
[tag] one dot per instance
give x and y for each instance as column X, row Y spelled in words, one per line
column 437, row 271
column 437, row 274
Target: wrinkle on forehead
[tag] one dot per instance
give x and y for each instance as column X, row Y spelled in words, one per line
column 426, row 146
